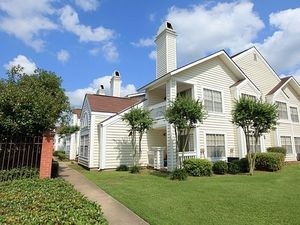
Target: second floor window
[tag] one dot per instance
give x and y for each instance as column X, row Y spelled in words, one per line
column 282, row 110
column 294, row 114
column 212, row 100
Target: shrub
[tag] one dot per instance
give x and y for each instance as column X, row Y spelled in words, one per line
column 198, row 167
column 179, row 174
column 54, row 169
column 277, row 150
column 19, row 173
column 122, row 168
column 61, row 155
column 243, row 165
column 220, row 167
column 47, row 201
column 233, row 167
column 269, row 161
column 135, row 169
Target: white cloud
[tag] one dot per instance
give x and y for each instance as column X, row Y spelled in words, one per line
column 152, row 17
column 28, row 65
column 70, row 21
column 282, row 49
column 27, row 20
column 87, row 5
column 110, row 52
column 144, row 42
column 203, row 29
column 63, row 55
column 152, row 55
column 76, row 97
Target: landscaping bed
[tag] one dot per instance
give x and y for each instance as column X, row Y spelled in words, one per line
column 49, row 201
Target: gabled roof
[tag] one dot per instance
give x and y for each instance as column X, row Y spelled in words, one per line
column 282, row 82
column 110, row 104
column 77, row 112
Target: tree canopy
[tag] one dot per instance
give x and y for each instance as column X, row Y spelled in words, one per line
column 255, row 117
column 31, row 104
column 184, row 113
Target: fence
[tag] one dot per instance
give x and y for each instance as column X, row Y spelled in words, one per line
column 20, row 157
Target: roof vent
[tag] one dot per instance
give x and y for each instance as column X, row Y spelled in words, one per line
column 101, row 90
column 169, row 25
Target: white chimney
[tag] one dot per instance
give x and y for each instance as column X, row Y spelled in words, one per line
column 101, row 90
column 115, row 84
column 165, row 49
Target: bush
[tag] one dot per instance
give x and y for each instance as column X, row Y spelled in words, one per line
column 19, row 173
column 269, row 161
column 54, row 169
column 122, row 168
column 220, row 167
column 179, row 174
column 135, row 169
column 233, row 167
column 243, row 165
column 277, row 150
column 47, row 201
column 61, row 155
column 198, row 167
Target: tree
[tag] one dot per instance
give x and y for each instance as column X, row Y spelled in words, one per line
column 31, row 104
column 184, row 113
column 139, row 121
column 65, row 130
column 255, row 117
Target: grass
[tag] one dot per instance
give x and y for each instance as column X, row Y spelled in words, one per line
column 265, row 198
column 49, row 201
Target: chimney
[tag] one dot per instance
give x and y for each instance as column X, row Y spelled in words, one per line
column 115, row 84
column 101, row 90
column 165, row 49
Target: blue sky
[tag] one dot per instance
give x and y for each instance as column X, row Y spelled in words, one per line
column 84, row 41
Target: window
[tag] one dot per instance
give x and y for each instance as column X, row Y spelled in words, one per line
column 252, row 144
column 286, row 142
column 212, row 100
column 248, row 96
column 282, row 110
column 294, row 114
column 297, row 144
column 185, row 93
column 215, row 145
column 84, row 145
column 85, row 120
column 190, row 144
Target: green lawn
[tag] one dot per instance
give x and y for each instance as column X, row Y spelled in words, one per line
column 265, row 198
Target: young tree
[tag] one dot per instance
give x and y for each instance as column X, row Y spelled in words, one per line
column 139, row 121
column 255, row 117
column 31, row 104
column 184, row 113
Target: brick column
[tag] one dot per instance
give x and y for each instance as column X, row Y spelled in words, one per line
column 46, row 156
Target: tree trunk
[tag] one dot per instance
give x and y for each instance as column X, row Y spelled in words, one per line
column 133, row 143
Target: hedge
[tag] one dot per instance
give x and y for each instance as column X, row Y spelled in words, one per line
column 269, row 161
column 198, row 167
column 277, row 150
column 220, row 167
column 19, row 173
column 48, row 201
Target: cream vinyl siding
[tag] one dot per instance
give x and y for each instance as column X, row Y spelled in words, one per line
column 257, row 71
column 95, row 147
column 214, row 74
column 155, row 97
column 118, row 148
column 247, row 89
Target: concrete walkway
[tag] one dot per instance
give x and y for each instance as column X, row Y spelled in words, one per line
column 114, row 211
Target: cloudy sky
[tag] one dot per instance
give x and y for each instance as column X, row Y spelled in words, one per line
column 85, row 41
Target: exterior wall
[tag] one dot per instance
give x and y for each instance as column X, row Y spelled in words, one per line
column 254, row 66
column 96, row 119
column 118, row 148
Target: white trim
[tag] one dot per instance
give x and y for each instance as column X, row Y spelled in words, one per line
column 289, row 108
column 102, row 144
column 247, row 81
column 205, row 144
column 222, row 97
column 283, row 93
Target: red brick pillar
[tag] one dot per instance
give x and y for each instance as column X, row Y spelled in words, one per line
column 46, row 156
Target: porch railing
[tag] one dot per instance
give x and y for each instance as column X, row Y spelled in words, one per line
column 187, row 155
column 156, row 157
column 157, row 111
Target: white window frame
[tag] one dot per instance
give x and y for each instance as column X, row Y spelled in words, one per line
column 205, row 145
column 84, row 146
column 290, row 112
column 248, row 95
column 297, row 149
column 191, row 145
column 286, row 106
column 222, row 99
column 281, row 144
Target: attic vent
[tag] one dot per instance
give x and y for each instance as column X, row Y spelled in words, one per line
column 117, row 73
column 169, row 25
column 254, row 57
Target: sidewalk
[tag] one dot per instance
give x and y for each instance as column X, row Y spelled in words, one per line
column 114, row 211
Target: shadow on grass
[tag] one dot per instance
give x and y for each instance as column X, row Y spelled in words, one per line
column 160, row 173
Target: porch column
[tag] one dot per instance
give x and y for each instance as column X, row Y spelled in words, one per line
column 171, row 93
column 46, row 156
